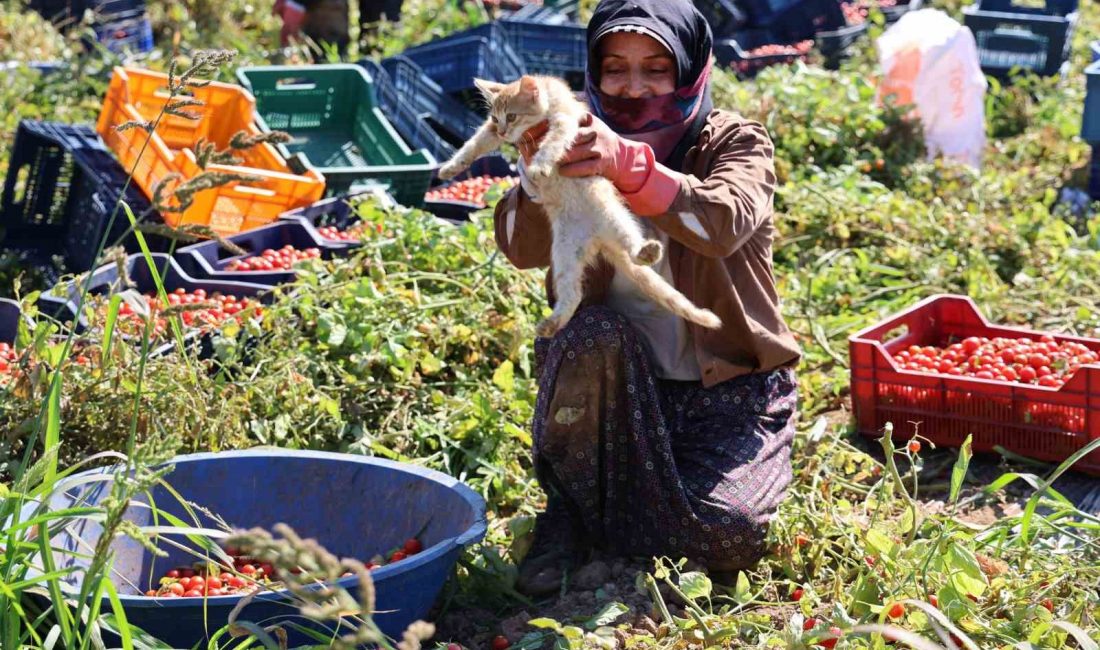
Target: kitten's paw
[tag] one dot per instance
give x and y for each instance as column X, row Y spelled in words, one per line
column 649, row 253
column 548, row 327
column 450, row 170
column 539, row 171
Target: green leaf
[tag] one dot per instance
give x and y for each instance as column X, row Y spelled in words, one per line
column 430, row 364
column 53, row 425
column 965, row 572
column 695, row 585
column 545, row 624
column 120, row 614
column 958, row 472
column 109, row 326
column 607, row 615
column 1077, row 633
column 742, row 590
column 882, row 544
column 504, row 377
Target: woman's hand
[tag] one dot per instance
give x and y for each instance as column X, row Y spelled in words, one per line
column 598, row 151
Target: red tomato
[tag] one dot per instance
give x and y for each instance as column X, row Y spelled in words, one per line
column 177, row 588
column 413, row 546
column 398, row 556
column 809, row 624
column 500, row 642
column 796, row 595
column 897, row 610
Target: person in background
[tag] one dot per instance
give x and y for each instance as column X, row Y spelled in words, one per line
column 328, row 21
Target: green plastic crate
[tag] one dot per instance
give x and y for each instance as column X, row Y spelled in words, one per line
column 337, row 128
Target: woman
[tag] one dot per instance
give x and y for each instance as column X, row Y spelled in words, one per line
column 654, row 436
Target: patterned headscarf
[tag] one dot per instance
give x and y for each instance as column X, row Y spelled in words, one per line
column 669, row 123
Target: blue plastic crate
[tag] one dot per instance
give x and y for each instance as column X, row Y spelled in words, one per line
column 61, row 301
column 835, row 45
column 1094, row 47
column 10, row 313
column 74, row 9
column 546, row 15
column 455, row 61
column 208, row 260
column 61, row 191
column 804, row 19
column 734, row 52
column 557, row 50
column 413, row 127
column 124, row 33
column 492, row 165
column 416, row 88
column 336, row 212
column 1094, row 174
column 727, row 16
column 1011, row 36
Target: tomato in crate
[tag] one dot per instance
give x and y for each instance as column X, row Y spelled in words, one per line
column 940, row 363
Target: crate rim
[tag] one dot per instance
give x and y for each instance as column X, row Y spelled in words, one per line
column 865, row 335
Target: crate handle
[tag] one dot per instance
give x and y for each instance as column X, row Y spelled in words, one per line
column 295, row 83
column 260, row 191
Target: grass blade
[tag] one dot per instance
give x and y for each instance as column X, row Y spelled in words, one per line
column 1033, row 502
column 1077, row 633
column 123, row 627
column 958, row 472
column 109, row 326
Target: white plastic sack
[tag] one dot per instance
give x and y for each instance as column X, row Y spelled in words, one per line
column 931, row 61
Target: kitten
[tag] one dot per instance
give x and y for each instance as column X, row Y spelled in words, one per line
column 587, row 215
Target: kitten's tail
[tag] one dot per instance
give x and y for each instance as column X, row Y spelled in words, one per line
column 661, row 292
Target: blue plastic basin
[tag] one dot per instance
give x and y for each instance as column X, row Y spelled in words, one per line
column 9, row 320
column 354, row 506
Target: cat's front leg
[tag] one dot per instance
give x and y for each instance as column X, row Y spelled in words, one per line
column 484, row 141
column 559, row 137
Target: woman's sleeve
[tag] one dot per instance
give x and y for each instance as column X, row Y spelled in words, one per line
column 522, row 230
column 716, row 215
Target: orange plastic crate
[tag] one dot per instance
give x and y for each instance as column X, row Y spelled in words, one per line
column 1048, row 424
column 137, row 94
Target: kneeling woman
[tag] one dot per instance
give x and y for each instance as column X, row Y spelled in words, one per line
column 654, row 436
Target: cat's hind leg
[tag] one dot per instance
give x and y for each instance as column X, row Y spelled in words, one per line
column 623, row 228
column 570, row 255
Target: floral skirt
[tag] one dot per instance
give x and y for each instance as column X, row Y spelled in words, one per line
column 657, row 467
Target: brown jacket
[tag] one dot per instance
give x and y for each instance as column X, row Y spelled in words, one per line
column 720, row 230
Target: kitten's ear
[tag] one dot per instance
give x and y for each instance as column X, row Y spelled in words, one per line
column 488, row 88
column 529, row 85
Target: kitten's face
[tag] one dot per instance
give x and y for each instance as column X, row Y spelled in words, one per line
column 516, row 107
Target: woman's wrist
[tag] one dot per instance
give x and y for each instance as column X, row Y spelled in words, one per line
column 648, row 187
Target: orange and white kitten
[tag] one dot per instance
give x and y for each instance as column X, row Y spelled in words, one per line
column 587, row 215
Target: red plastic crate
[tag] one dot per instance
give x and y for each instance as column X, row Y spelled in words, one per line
column 1048, row 424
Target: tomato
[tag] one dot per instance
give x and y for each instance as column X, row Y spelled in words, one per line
column 398, row 556
column 914, row 446
column 829, row 643
column 1028, row 374
column 897, row 610
column 971, row 345
column 213, row 583
column 809, row 624
column 172, row 573
column 935, row 601
column 796, row 595
column 176, row 588
column 1048, row 604
column 194, row 593
column 801, row 540
column 500, row 642
column 453, row 646
column 152, row 593
column 235, row 582
column 413, row 546
column 248, row 570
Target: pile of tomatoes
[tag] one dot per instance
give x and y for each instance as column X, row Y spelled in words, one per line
column 356, row 233
column 1045, row 362
column 215, row 309
column 202, row 580
column 274, row 260
column 8, row 357
column 765, row 55
column 471, row 190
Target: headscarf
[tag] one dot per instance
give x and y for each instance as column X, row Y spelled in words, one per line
column 668, row 123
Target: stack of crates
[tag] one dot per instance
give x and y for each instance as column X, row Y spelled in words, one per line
column 62, row 195
column 119, row 25
column 1090, row 119
column 1017, row 37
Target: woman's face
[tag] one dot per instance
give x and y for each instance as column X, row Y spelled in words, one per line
column 635, row 66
